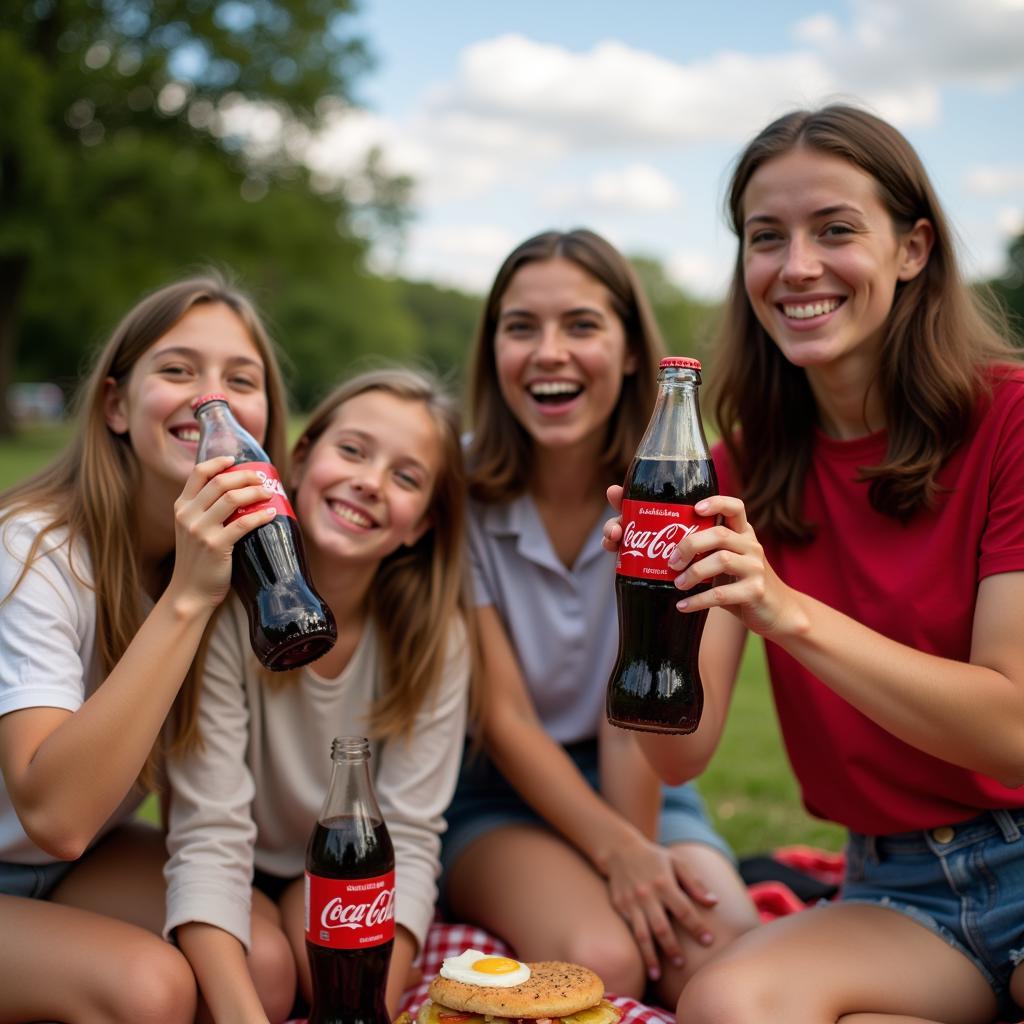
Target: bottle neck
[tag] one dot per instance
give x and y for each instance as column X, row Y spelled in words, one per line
column 675, row 430
column 351, row 790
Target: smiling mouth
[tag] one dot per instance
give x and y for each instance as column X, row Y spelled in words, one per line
column 554, row 392
column 190, row 435
column 807, row 310
column 351, row 515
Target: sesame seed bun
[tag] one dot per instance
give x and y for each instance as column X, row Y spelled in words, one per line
column 554, row 989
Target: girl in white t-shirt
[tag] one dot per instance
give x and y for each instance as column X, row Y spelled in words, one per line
column 112, row 560
column 378, row 487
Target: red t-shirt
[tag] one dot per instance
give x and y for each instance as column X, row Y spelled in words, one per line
column 915, row 583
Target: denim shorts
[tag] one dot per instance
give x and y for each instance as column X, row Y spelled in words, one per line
column 484, row 801
column 33, row 881
column 964, row 882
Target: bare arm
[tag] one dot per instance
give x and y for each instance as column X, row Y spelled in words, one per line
column 968, row 714
column 644, row 884
column 219, row 962
column 402, row 955
column 628, row 782
column 67, row 771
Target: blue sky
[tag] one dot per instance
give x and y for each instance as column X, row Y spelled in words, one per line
column 625, row 116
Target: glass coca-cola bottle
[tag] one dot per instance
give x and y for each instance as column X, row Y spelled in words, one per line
column 290, row 625
column 655, row 684
column 350, row 895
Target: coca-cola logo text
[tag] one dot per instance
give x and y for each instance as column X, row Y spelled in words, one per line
column 653, row 543
column 648, row 541
column 337, row 914
column 271, row 483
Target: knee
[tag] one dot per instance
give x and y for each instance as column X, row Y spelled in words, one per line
column 272, row 968
column 725, row 992
column 157, row 987
column 617, row 962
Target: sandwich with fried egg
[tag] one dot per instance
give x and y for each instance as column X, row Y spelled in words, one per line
column 474, row 988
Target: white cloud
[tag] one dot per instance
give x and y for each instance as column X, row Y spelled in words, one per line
column 1010, row 221
column 637, row 188
column 996, row 179
column 699, row 273
column 549, row 97
column 461, row 255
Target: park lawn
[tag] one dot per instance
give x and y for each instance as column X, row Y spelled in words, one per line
column 749, row 788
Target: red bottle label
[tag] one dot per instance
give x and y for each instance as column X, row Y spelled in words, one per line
column 350, row 913
column 650, row 533
column 276, row 497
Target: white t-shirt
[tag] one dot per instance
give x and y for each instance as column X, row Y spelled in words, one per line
column 251, row 795
column 47, row 649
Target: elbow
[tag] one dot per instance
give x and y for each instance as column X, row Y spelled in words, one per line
column 60, row 839
column 673, row 765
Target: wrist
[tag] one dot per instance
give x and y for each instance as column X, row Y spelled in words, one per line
column 614, row 842
column 186, row 609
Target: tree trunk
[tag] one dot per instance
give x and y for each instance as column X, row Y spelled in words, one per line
column 13, row 272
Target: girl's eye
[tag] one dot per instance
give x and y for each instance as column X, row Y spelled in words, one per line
column 175, row 370
column 765, row 236
column 837, row 230
column 244, row 383
column 349, row 449
column 408, row 480
column 518, row 328
column 584, row 326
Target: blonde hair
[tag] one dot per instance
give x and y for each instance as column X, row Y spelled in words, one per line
column 90, row 488
column 500, row 452
column 420, row 592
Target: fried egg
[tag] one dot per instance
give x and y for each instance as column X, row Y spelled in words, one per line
column 476, row 968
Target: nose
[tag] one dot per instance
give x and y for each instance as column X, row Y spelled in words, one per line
column 551, row 346
column 367, row 481
column 801, row 262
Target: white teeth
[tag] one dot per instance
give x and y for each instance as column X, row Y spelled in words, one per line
column 554, row 387
column 351, row 515
column 811, row 309
column 187, row 434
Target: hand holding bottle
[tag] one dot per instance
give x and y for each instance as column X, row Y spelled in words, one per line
column 204, row 540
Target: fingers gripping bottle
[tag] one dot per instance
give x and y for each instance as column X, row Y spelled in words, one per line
column 350, row 895
column 655, row 685
column 289, row 623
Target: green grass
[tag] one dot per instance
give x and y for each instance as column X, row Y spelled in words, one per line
column 749, row 788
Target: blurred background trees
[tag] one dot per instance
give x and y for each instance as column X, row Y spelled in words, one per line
column 127, row 159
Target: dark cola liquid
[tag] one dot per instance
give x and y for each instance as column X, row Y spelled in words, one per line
column 655, row 685
column 289, row 624
column 349, row 984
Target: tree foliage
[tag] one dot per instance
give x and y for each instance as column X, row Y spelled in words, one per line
column 122, row 167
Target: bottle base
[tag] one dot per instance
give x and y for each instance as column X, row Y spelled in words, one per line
column 295, row 652
column 683, row 729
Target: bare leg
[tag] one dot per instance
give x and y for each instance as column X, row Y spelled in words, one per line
column 858, row 963
column 62, row 963
column 733, row 915
column 123, row 878
column 535, row 891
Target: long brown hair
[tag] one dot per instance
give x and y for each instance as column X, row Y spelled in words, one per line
column 500, row 452
column 89, row 489
column 936, row 358
column 420, row 592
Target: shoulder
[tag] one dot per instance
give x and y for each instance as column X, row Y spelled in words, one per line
column 26, row 536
